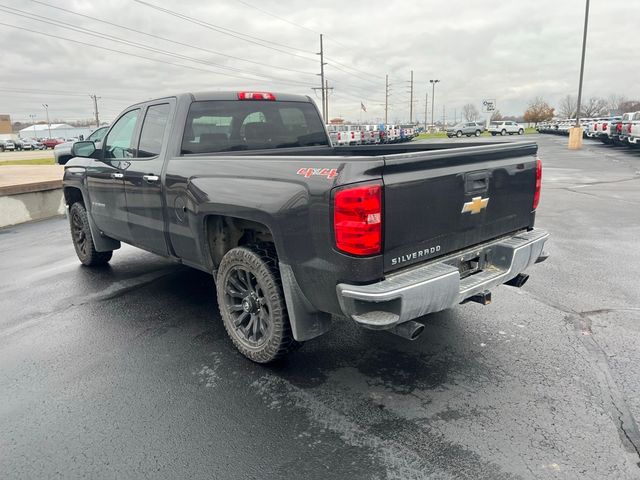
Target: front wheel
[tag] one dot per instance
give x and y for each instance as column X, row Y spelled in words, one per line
column 458, row 134
column 82, row 239
column 252, row 304
column 503, row 132
column 477, row 134
column 521, row 132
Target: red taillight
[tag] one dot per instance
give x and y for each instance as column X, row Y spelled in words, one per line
column 256, row 96
column 595, row 126
column 357, row 219
column 629, row 128
column 536, row 195
column 604, row 126
column 353, row 135
column 619, row 128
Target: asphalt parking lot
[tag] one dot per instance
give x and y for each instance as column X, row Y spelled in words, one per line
column 126, row 371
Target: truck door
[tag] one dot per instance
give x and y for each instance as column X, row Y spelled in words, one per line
column 105, row 177
column 143, row 180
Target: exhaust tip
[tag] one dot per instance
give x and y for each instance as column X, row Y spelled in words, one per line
column 417, row 332
column 518, row 281
column 410, row 330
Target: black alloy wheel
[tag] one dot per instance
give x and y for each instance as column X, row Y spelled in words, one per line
column 252, row 304
column 82, row 240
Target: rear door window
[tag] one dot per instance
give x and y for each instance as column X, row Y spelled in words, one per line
column 232, row 125
column 153, row 128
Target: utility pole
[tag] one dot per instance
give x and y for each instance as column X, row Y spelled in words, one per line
column 444, row 118
column 322, row 64
column 95, row 108
column 326, row 87
column 433, row 93
column 426, row 102
column 46, row 109
column 455, row 115
column 411, row 100
column 386, row 99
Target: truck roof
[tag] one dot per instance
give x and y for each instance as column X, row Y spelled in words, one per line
column 230, row 95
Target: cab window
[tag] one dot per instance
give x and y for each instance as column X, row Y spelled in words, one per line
column 120, row 142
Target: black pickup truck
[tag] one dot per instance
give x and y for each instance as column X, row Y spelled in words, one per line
column 247, row 186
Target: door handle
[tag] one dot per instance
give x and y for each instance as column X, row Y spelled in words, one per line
column 117, row 175
column 151, row 178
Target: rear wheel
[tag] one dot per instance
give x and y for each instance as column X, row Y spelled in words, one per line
column 82, row 239
column 503, row 132
column 252, row 304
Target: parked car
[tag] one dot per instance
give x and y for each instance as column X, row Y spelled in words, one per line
column 505, row 127
column 62, row 151
column 9, row 145
column 313, row 232
column 37, row 145
column 465, row 128
column 633, row 131
column 27, row 145
column 51, row 142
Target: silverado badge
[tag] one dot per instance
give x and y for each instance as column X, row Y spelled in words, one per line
column 476, row 205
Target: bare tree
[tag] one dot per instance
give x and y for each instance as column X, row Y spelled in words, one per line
column 568, row 107
column 470, row 112
column 594, row 107
column 629, row 106
column 496, row 116
column 538, row 111
column 613, row 103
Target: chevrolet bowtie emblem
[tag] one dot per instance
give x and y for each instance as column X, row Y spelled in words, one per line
column 476, row 205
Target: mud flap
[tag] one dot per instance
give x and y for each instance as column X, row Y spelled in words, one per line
column 306, row 321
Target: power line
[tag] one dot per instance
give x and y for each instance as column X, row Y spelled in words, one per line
column 171, row 40
column 180, row 65
column 309, row 30
column 112, row 38
column 232, row 33
column 278, row 17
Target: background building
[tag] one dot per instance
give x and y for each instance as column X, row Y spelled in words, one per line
column 5, row 124
column 58, row 130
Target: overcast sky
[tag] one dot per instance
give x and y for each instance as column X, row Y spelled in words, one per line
column 508, row 50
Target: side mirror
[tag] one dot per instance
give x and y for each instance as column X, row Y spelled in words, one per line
column 83, row 149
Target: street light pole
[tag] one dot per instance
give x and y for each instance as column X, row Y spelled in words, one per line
column 584, row 47
column 433, row 93
column 46, row 109
column 33, row 124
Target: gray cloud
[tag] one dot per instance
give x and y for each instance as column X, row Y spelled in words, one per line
column 510, row 51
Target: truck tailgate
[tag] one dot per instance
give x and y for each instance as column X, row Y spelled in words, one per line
column 438, row 202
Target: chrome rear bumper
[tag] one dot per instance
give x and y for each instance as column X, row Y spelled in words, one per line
column 438, row 285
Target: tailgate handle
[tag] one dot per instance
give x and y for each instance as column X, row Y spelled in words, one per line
column 476, row 182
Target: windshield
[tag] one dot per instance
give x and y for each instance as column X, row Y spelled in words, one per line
column 230, row 125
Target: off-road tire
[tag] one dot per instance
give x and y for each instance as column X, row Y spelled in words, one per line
column 262, row 264
column 82, row 239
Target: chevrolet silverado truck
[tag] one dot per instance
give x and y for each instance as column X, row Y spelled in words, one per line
column 297, row 233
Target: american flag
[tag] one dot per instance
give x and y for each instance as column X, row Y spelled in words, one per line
column 364, row 109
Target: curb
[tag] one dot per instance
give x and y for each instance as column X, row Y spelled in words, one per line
column 31, row 205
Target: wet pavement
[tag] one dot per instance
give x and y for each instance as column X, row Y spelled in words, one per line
column 126, row 371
